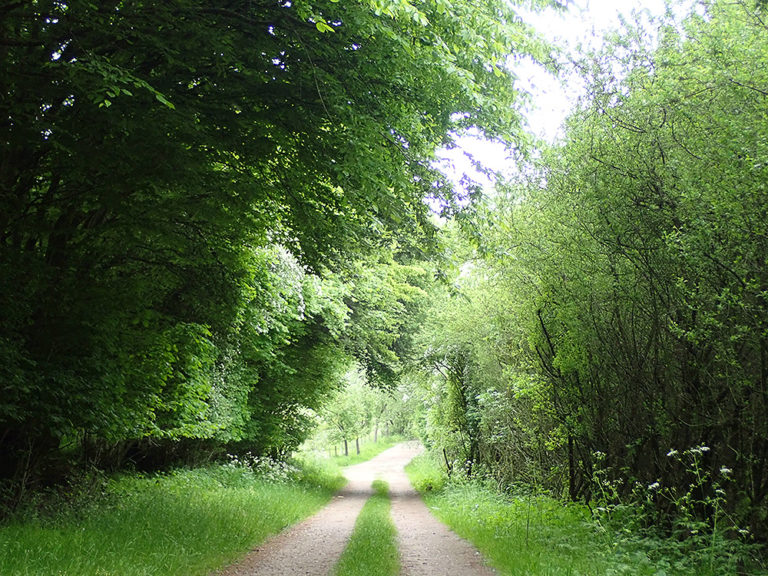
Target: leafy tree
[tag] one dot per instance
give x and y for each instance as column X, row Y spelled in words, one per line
column 653, row 322
column 157, row 157
column 348, row 413
column 386, row 300
column 634, row 264
column 618, row 311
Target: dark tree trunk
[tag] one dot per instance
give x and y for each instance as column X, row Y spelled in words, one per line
column 571, row 470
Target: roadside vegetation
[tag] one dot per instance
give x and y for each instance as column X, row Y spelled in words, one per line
column 372, row 549
column 522, row 531
column 183, row 523
column 156, row 312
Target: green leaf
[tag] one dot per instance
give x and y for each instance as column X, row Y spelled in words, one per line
column 163, row 100
column 323, row 26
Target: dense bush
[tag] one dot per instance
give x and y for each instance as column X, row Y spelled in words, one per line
column 616, row 307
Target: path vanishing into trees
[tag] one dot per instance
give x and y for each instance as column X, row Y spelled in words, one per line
column 427, row 547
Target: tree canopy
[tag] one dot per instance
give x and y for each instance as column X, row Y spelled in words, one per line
column 207, row 208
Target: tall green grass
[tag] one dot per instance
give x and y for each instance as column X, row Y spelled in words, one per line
column 533, row 534
column 372, row 549
column 185, row 523
column 523, row 536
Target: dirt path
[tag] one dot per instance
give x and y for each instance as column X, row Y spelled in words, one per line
column 312, row 547
column 427, row 546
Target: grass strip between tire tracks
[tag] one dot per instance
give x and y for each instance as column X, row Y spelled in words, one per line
column 372, row 549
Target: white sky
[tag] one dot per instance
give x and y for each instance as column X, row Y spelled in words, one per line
column 585, row 23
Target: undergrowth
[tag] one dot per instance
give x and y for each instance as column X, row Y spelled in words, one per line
column 185, row 523
column 524, row 532
column 696, row 535
column 372, row 549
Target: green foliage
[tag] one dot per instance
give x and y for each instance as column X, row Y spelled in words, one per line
column 425, row 473
column 190, row 196
column 523, row 531
column 347, row 414
column 188, row 522
column 447, row 344
column 650, row 264
column 712, row 545
column 355, row 413
column 616, row 299
column 386, row 303
column 372, row 548
column 476, row 393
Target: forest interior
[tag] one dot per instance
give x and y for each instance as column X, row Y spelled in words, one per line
column 231, row 262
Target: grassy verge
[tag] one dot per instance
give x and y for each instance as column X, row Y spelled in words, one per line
column 367, row 450
column 528, row 536
column 372, row 549
column 186, row 523
column 536, row 535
